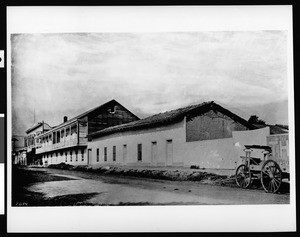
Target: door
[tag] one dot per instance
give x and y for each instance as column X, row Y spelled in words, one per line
column 169, row 149
column 154, row 153
column 89, row 158
column 169, row 152
column 124, row 154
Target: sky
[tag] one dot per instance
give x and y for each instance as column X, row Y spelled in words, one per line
column 54, row 75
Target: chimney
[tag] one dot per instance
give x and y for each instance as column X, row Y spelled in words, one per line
column 65, row 119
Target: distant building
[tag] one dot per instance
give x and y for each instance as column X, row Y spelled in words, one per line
column 20, row 156
column 18, row 150
column 30, row 141
column 68, row 141
column 18, row 141
column 274, row 129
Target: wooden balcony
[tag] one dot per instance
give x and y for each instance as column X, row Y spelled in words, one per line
column 65, row 142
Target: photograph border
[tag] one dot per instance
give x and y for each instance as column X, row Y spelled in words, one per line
column 154, row 19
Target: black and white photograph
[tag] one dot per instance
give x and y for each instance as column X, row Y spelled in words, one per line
column 150, row 118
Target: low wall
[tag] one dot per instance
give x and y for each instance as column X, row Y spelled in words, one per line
column 211, row 154
column 224, row 153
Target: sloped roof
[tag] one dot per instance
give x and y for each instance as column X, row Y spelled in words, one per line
column 274, row 129
column 170, row 117
column 90, row 111
column 36, row 125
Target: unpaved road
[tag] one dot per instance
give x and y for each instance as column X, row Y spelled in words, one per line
column 110, row 190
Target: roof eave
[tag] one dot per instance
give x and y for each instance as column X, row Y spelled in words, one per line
column 31, row 129
column 137, row 127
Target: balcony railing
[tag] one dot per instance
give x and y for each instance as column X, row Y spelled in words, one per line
column 64, row 143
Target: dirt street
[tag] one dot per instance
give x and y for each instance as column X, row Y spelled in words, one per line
column 93, row 189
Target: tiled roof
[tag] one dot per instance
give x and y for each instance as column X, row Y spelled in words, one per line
column 170, row 117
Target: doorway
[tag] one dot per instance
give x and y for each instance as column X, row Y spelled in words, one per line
column 169, row 154
column 154, row 153
column 89, row 158
column 124, row 154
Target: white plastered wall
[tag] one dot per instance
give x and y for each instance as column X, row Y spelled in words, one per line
column 176, row 132
column 250, row 137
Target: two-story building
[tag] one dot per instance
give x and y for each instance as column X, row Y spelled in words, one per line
column 68, row 141
column 30, row 141
column 18, row 150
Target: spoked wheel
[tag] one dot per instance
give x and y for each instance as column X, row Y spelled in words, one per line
column 243, row 176
column 271, row 176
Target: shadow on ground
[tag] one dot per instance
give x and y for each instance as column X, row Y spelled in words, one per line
column 284, row 187
column 23, row 178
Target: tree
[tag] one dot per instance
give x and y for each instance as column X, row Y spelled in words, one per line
column 255, row 120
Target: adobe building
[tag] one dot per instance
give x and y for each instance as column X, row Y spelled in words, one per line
column 194, row 135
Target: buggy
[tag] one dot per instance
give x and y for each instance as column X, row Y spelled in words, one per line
column 269, row 170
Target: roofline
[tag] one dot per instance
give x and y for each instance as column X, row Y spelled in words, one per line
column 90, row 111
column 141, row 126
column 37, row 125
column 76, row 118
column 34, row 127
column 206, row 107
column 59, row 126
column 234, row 116
column 126, row 109
column 21, row 149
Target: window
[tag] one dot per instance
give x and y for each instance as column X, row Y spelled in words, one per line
column 82, row 155
column 58, row 136
column 139, row 152
column 97, row 154
column 105, row 153
column 73, row 129
column 66, row 157
column 71, row 156
column 67, row 131
column 76, row 155
column 114, row 153
column 54, row 137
